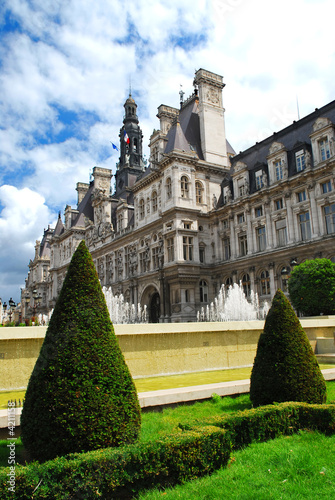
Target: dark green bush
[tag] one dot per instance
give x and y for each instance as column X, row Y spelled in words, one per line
column 80, row 395
column 312, row 287
column 285, row 367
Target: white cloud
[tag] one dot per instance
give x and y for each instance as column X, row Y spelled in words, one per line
column 64, row 76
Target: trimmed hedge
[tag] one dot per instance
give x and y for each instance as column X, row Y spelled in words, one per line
column 120, row 473
column 123, row 472
column 285, row 367
column 80, row 395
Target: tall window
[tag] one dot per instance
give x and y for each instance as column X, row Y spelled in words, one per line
column 226, row 248
column 243, row 244
column 305, row 226
column 198, row 192
column 259, row 179
column 168, row 187
column 261, row 238
column 120, row 222
column 324, row 149
column 188, row 247
column 170, row 249
column 265, row 283
column 142, row 262
column 202, row 254
column 240, row 218
column 154, row 201
column 141, row 205
column 281, row 232
column 300, row 160
column 246, row 284
column 326, row 187
column 278, row 170
column 184, row 186
column 258, row 211
column 155, row 257
column 229, row 282
column 203, row 291
column 330, row 218
column 278, row 204
column 302, row 196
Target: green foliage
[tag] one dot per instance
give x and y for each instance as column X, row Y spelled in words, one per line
column 285, row 367
column 116, row 473
column 80, row 395
column 312, row 287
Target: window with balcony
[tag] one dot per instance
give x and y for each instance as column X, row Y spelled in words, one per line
column 329, row 212
column 300, row 160
column 305, row 226
column 188, row 247
column 184, row 187
column 199, row 192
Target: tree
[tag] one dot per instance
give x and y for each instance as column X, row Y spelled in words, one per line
column 80, row 395
column 285, row 366
column 312, row 287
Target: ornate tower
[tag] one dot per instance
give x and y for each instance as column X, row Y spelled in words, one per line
column 131, row 161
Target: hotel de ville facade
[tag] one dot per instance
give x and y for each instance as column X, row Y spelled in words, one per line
column 199, row 215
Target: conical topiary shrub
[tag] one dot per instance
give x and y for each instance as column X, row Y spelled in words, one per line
column 285, row 367
column 80, row 395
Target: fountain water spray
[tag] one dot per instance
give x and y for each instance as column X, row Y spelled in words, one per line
column 233, row 306
column 121, row 311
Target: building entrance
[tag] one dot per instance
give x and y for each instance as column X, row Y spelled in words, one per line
column 155, row 308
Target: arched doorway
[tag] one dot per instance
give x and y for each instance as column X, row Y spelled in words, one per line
column 155, row 308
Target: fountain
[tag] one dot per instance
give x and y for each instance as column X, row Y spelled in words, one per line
column 121, row 311
column 233, row 306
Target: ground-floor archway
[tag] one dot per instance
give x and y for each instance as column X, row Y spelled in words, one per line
column 152, row 300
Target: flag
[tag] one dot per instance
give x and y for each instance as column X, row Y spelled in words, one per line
column 126, row 138
column 115, row 147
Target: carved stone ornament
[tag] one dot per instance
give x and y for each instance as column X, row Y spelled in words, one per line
column 276, row 146
column 213, row 96
column 240, row 165
column 321, row 123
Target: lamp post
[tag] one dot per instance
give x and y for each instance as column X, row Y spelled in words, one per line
column 37, row 300
column 11, row 305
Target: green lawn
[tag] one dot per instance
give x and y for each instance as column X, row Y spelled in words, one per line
column 294, row 467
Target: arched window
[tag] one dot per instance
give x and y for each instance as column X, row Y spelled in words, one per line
column 184, row 186
column 229, row 282
column 168, row 188
column 141, row 207
column 265, row 283
column 246, row 284
column 203, row 291
column 154, row 201
column 199, row 192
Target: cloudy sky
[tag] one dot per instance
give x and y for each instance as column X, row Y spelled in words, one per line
column 65, row 68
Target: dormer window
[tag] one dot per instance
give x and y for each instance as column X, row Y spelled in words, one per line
column 259, row 179
column 300, row 160
column 198, row 192
column 324, row 149
column 278, row 170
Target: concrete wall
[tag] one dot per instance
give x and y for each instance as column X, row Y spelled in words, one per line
column 157, row 349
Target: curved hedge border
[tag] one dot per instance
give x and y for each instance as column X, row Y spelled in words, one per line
column 118, row 473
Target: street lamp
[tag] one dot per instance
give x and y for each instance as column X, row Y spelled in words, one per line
column 12, row 305
column 285, row 274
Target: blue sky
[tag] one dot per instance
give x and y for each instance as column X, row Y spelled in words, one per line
column 65, row 69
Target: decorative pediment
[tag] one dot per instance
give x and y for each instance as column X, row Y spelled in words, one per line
column 276, row 146
column 239, row 166
column 320, row 123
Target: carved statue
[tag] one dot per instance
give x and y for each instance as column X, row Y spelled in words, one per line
column 215, row 202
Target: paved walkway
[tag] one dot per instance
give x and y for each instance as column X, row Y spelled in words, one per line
column 180, row 395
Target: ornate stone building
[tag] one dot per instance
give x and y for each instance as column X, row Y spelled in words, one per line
column 199, row 215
